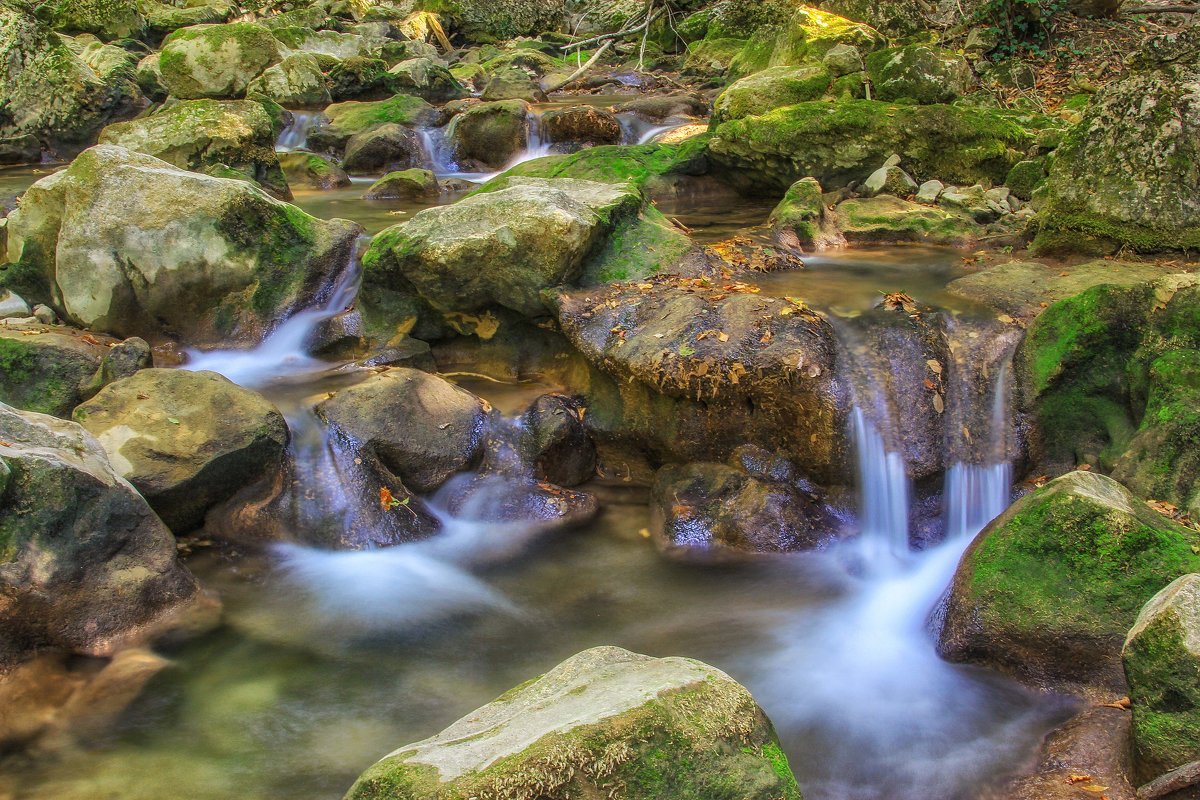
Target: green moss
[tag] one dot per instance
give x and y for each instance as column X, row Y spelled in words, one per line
column 41, row 378
column 249, row 221
column 639, row 164
column 354, row 117
column 1165, row 689
column 1066, row 229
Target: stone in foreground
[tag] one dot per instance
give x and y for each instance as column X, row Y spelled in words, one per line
column 604, row 723
column 1162, row 664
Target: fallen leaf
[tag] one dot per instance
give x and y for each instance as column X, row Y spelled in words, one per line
column 722, row 337
column 172, row 420
column 938, row 404
column 1122, row 704
column 935, row 366
column 1073, row 778
column 1006, row 319
column 644, row 533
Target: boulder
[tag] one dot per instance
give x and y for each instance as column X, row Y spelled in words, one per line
column 499, row 248
column 490, row 133
column 163, row 18
column 409, row 184
column 127, row 244
column 218, row 61
column 1050, row 588
column 1124, row 175
column 803, row 219
column 52, row 97
column 797, row 35
column 312, row 170
column 199, row 134
column 426, row 79
column 12, row 304
column 295, row 82
column 555, row 442
column 707, row 507
column 888, row 180
column 302, row 39
column 659, row 108
column 972, row 201
column 149, row 79
column 653, row 167
column 414, row 428
column 383, row 148
column 769, row 89
column 106, row 19
column 581, row 127
column 843, row 59
column 888, row 219
column 604, row 722
column 929, row 192
column 485, row 21
column 898, row 18
column 51, row 369
column 360, row 78
column 1025, row 177
column 85, row 565
column 355, row 117
column 1162, row 662
column 918, row 73
column 161, row 435
column 846, row 140
column 511, row 83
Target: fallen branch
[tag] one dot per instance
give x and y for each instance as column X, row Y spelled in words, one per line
column 616, row 35
column 1173, row 781
column 574, row 76
column 1160, row 10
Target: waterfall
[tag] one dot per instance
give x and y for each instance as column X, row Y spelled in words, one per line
column 975, row 494
column 637, row 130
column 295, row 136
column 883, row 491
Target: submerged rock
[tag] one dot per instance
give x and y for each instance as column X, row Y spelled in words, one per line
column 162, row 435
column 84, row 563
column 218, row 61
column 1049, row 589
column 127, row 244
column 555, row 442
column 605, row 721
column 199, row 134
column 1162, row 663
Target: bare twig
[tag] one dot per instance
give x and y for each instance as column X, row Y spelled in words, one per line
column 1173, row 781
column 617, row 35
column 574, row 76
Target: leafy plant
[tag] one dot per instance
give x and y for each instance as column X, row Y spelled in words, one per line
column 1020, row 26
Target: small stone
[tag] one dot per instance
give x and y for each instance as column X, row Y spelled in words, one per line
column 11, row 305
column 843, row 59
column 45, row 314
column 888, row 180
column 892, row 161
column 930, row 191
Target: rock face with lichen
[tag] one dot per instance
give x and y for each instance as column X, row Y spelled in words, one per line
column 1127, row 173
column 493, row 20
column 216, row 61
column 84, row 562
column 604, row 723
column 127, row 244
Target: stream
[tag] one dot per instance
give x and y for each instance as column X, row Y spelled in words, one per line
column 330, row 659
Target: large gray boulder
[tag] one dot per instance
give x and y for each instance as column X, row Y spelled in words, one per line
column 919, row 73
column 84, row 563
column 501, row 247
column 216, row 60
column 201, row 134
column 604, row 723
column 490, row 133
column 162, row 435
column 127, row 244
column 295, row 82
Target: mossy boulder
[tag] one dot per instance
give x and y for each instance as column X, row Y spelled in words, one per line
column 511, row 83
column 846, row 140
column 163, row 18
column 354, row 117
column 149, row 79
column 605, row 722
column 85, row 565
column 107, row 19
column 1025, row 177
column 799, row 35
column 583, row 126
column 803, row 218
column 769, row 89
column 383, row 148
column 409, row 184
column 360, row 78
column 128, row 244
column 485, row 21
column 426, row 79
column 918, row 73
column 651, row 167
column 1126, row 174
column 490, row 133
column 499, row 248
column 161, row 435
column 53, row 97
column 1162, row 664
column 1050, row 588
column 295, row 82
column 198, row 134
column 218, row 61
column 888, row 219
column 303, row 39
column 312, row 171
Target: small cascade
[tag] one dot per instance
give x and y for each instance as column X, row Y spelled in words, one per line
column 295, row 136
column 975, row 494
column 637, row 130
column 883, row 491
column 437, row 155
column 536, row 146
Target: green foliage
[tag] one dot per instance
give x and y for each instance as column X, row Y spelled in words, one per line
column 1020, row 26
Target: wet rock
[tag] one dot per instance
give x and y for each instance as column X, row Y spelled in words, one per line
column 888, row 180
column 11, row 305
column 581, row 127
column 86, row 563
column 360, row 78
column 418, row 427
column 354, row 117
column 1049, row 589
column 295, row 82
column 222, row 260
column 658, row 108
column 559, row 733
column 1123, row 176
column 160, row 433
column 426, row 79
column 888, row 219
column 1093, row 743
column 54, row 98
column 490, row 133
column 198, row 134
column 555, row 442
column 706, row 507
column 505, row 500
column 918, row 73
column 384, row 148
column 770, row 89
column 801, row 219
column 409, row 184
column 217, row 61
column 313, row 171
column 810, row 140
column 501, row 247
column 1162, row 663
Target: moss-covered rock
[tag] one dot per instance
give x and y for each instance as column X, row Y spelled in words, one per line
column 149, row 79
column 427, row 79
column 53, row 96
column 160, row 433
column 770, row 89
column 605, row 722
column 163, row 18
column 804, row 217
column 648, row 166
column 846, row 140
column 383, row 148
column 1126, row 174
column 295, row 82
column 353, row 117
column 303, row 39
column 490, row 133
column 107, row 19
column 128, row 244
column 359, row 78
column 217, row 61
column 84, row 563
column 198, row 134
column 498, row 20
column 409, row 184
column 1025, row 177
column 796, row 36
column 583, row 126
column 313, row 171
column 887, row 219
column 1050, row 588
column 918, row 73
column 894, row 17
column 1162, row 663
